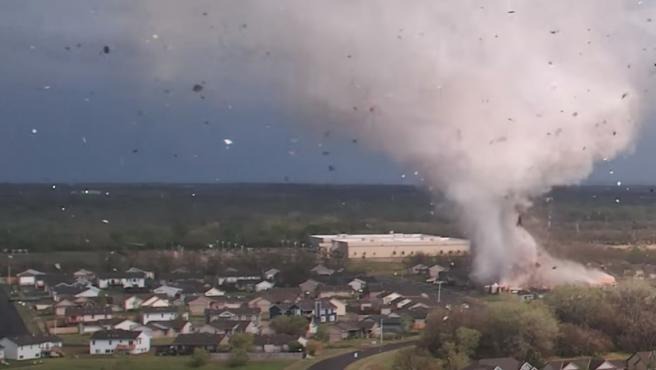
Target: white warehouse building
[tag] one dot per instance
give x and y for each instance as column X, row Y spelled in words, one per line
column 388, row 246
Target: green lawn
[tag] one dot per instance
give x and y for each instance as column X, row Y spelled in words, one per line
column 143, row 362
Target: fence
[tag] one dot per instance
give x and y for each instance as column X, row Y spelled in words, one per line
column 259, row 356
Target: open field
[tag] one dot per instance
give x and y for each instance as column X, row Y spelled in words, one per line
column 147, row 362
column 114, row 216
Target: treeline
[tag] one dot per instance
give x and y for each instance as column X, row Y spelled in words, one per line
column 570, row 321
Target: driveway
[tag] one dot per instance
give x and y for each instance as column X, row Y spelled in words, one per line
column 342, row 361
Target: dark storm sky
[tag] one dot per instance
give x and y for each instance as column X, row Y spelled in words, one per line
column 69, row 112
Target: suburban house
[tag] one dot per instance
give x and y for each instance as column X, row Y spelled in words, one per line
column 418, row 269
column 357, row 285
column 147, row 274
column 169, row 291
column 76, row 315
column 340, row 307
column 264, row 300
column 284, row 309
column 156, row 300
column 322, row 270
column 84, row 274
column 271, row 274
column 62, row 305
column 321, row 310
column 107, row 342
column 187, row 343
column 126, row 325
column 263, row 285
column 149, row 314
column 273, row 343
column 235, row 314
column 435, row 271
column 121, row 279
column 501, row 363
column 232, row 276
column 641, row 360
column 330, row 291
column 132, row 303
column 73, row 290
column 172, row 328
column 214, row 292
column 198, row 305
column 29, row 347
column 309, row 286
column 28, row 277
column 229, row 327
column 345, row 330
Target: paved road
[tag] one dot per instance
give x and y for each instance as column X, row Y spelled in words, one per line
column 10, row 321
column 342, row 361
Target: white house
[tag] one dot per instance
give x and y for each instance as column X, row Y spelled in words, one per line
column 147, row 274
column 170, row 291
column 155, row 301
column 132, row 303
column 263, row 285
column 106, row 342
column 127, row 325
column 214, row 292
column 158, row 314
column 357, row 284
column 340, row 307
column 122, row 279
column 29, row 347
column 28, row 277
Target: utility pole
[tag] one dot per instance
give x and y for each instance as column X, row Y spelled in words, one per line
column 9, row 257
column 381, row 331
column 439, row 290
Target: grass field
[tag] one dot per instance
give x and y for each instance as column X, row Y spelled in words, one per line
column 147, row 362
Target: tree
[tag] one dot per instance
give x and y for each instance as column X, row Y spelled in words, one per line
column 241, row 341
column 412, row 359
column 291, row 325
column 456, row 353
column 199, row 358
column 582, row 341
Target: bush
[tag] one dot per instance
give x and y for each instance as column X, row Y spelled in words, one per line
column 238, row 357
column 199, row 358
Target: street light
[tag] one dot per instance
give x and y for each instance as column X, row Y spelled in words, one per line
column 439, row 290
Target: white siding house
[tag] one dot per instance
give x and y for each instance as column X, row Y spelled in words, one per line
column 122, row 279
column 106, row 342
column 28, row 277
column 158, row 314
column 28, row 347
column 263, row 285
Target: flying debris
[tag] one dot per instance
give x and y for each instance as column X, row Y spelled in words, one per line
column 34, row 131
column 197, row 88
column 227, row 141
column 106, row 49
column 625, row 95
column 331, row 168
column 105, row 221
